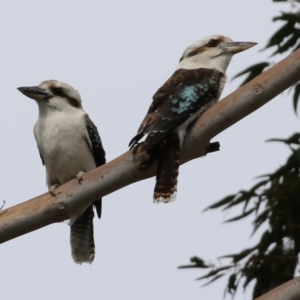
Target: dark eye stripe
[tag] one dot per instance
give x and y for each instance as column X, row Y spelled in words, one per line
column 72, row 101
column 212, row 43
column 196, row 51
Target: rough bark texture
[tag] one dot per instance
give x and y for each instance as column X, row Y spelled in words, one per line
column 287, row 291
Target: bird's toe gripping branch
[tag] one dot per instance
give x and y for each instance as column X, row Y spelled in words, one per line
column 52, row 189
column 79, row 176
column 150, row 157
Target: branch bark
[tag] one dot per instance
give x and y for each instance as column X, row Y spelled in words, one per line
column 287, row 291
column 123, row 170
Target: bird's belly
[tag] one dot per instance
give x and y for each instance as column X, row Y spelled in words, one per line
column 64, row 164
column 65, row 152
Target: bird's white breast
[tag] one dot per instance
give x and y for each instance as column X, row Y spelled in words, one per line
column 64, row 144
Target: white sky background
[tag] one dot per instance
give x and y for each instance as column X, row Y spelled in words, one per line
column 117, row 54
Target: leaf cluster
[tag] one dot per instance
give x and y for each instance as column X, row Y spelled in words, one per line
column 285, row 40
column 273, row 200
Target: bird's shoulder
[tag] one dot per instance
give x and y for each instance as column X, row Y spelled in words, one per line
column 182, row 95
column 181, row 79
column 96, row 142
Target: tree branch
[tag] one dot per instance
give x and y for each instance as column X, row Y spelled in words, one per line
column 287, row 291
column 122, row 171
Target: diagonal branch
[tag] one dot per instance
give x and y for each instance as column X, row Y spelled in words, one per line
column 287, row 291
column 122, row 171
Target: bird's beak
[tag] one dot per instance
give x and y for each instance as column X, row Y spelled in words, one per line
column 35, row 93
column 236, row 47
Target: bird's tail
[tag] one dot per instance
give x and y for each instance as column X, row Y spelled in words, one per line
column 167, row 170
column 82, row 238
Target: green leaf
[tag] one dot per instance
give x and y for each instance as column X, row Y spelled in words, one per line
column 245, row 214
column 296, row 97
column 214, row 272
column 260, row 219
column 280, row 35
column 294, row 139
column 253, row 71
column 232, row 284
column 239, row 256
column 242, row 196
column 198, row 263
column 221, row 202
column 213, row 279
column 290, row 42
column 266, row 240
column 289, row 17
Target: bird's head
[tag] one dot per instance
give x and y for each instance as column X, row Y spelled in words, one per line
column 53, row 95
column 212, row 52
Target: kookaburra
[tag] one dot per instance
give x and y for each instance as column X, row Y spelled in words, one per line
column 195, row 86
column 69, row 144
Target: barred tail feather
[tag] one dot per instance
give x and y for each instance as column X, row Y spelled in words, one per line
column 82, row 238
column 167, row 170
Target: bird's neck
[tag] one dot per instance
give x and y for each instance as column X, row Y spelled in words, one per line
column 219, row 63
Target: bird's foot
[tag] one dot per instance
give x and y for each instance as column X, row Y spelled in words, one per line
column 52, row 189
column 137, row 144
column 150, row 157
column 148, row 161
column 79, row 176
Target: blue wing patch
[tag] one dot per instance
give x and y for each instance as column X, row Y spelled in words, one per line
column 188, row 95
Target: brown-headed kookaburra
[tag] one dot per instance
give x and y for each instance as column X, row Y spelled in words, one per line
column 69, row 145
column 195, row 86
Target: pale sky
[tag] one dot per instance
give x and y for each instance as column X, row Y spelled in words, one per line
column 117, row 54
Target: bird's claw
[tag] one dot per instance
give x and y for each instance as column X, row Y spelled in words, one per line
column 52, row 189
column 138, row 144
column 79, row 176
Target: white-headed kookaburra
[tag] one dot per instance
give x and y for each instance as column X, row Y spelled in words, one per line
column 195, row 86
column 69, row 145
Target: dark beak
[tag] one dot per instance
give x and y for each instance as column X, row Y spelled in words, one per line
column 236, row 47
column 35, row 93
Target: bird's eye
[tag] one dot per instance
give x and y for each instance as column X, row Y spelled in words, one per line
column 57, row 91
column 213, row 43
